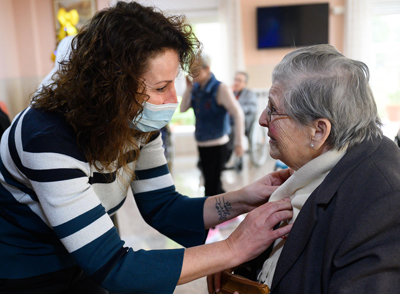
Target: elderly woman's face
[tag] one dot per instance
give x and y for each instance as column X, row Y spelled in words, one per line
column 289, row 142
column 160, row 78
column 202, row 76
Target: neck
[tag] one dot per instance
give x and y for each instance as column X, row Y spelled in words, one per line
column 204, row 82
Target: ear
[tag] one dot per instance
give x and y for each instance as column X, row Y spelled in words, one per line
column 321, row 128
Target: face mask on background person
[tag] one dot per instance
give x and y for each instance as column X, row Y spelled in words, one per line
column 154, row 117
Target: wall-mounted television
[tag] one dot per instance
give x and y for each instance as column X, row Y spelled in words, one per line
column 292, row 26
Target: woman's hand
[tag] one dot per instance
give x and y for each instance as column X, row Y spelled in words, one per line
column 189, row 83
column 239, row 151
column 258, row 192
column 223, row 207
column 253, row 235
column 256, row 232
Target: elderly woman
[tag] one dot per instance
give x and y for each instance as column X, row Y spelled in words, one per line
column 68, row 160
column 322, row 122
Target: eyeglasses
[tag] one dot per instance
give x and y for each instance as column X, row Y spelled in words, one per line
column 270, row 114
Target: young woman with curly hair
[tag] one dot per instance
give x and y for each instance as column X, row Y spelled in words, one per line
column 68, row 160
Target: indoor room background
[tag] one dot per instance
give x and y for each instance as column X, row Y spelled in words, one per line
column 366, row 30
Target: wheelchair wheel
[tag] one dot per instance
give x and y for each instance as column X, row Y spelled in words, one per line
column 259, row 147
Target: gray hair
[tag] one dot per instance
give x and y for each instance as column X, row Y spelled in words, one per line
column 205, row 60
column 320, row 82
column 245, row 74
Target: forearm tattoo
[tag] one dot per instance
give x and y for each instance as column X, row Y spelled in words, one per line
column 223, row 208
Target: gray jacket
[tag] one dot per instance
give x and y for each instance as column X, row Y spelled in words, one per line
column 248, row 102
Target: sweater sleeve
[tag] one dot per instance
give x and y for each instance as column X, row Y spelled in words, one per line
column 53, row 167
column 176, row 216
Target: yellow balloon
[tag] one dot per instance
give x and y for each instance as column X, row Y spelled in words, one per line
column 61, row 15
column 73, row 17
column 67, row 20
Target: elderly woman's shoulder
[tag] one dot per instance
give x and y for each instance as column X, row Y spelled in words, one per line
column 382, row 166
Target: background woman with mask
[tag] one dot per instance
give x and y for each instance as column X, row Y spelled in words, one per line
column 68, row 160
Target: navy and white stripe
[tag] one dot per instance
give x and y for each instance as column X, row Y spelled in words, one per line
column 54, row 209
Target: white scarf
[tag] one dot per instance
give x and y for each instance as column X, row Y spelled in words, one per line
column 298, row 187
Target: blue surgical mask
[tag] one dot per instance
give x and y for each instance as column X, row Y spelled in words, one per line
column 155, row 117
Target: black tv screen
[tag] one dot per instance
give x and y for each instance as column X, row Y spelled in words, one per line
column 292, row 26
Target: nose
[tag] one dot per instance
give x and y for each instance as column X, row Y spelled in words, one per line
column 263, row 120
column 171, row 97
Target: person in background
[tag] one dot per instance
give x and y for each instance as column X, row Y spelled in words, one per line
column 323, row 123
column 213, row 102
column 248, row 101
column 62, row 54
column 68, row 160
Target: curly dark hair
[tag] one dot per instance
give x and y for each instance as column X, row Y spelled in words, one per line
column 100, row 88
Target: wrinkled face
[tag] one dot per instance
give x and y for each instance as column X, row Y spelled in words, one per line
column 289, row 141
column 239, row 83
column 160, row 78
column 203, row 75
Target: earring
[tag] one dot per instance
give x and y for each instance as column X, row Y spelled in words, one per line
column 312, row 146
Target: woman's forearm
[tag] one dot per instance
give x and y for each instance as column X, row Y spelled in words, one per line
column 205, row 260
column 246, row 242
column 222, row 207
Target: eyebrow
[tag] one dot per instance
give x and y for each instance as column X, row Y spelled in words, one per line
column 271, row 100
column 168, row 81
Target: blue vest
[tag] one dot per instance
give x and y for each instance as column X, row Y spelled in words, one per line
column 212, row 120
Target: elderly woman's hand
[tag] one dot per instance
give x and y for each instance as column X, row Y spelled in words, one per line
column 258, row 192
column 214, row 283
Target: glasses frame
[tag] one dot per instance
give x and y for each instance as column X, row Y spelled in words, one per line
column 270, row 114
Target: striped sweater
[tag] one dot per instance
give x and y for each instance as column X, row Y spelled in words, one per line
column 55, row 208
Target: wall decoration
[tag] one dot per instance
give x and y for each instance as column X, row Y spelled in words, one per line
column 70, row 15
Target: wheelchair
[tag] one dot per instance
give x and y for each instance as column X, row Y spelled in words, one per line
column 259, row 147
column 258, row 135
column 258, row 144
